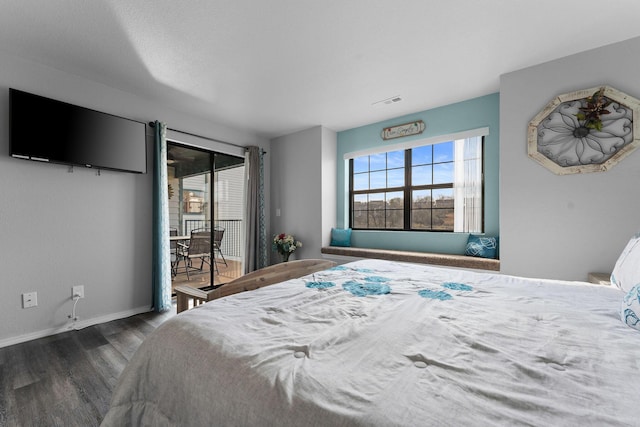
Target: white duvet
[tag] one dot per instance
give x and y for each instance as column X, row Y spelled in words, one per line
column 442, row 348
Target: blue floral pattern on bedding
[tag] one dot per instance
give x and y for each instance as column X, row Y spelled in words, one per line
column 360, row 282
column 630, row 308
column 319, row 285
column 631, row 319
column 457, row 286
column 367, row 288
column 440, row 295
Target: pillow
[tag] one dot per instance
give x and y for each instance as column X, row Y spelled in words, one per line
column 341, row 237
column 626, row 272
column 630, row 308
column 480, row 246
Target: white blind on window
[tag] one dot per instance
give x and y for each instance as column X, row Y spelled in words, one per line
column 480, row 132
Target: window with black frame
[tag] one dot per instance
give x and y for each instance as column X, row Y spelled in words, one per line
column 432, row 187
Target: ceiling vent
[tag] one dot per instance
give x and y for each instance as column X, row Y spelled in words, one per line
column 388, row 101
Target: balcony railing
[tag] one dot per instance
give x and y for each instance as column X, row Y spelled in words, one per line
column 231, row 245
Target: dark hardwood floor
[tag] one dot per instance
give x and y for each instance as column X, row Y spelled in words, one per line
column 67, row 379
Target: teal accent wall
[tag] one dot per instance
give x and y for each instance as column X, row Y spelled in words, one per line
column 462, row 116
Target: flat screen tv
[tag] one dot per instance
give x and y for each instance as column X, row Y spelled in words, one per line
column 53, row 131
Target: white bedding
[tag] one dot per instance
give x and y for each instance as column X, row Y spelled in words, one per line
column 509, row 351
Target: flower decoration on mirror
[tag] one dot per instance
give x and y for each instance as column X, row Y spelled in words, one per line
column 585, row 131
column 596, row 105
column 285, row 245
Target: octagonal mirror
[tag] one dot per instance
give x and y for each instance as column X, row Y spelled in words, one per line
column 588, row 130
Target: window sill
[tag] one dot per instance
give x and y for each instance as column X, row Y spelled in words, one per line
column 447, row 260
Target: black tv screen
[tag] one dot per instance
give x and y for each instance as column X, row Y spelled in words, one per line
column 54, row 131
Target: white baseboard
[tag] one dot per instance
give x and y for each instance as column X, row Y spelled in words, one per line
column 73, row 326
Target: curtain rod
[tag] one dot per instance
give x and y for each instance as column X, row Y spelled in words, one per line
column 153, row 124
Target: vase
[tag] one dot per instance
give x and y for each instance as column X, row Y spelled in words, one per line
column 285, row 256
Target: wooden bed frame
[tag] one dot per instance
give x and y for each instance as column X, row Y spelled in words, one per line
column 256, row 279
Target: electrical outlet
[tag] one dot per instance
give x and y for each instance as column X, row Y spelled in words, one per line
column 77, row 291
column 29, row 299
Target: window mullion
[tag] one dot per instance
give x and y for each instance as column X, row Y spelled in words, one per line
column 407, row 190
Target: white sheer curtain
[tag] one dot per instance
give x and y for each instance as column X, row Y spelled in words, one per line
column 468, row 185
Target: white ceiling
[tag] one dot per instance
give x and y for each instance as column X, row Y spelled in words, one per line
column 279, row 66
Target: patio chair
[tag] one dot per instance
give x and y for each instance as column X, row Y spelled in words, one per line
column 218, row 234
column 199, row 247
column 173, row 249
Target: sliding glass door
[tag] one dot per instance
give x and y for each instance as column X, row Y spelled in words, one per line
column 206, row 197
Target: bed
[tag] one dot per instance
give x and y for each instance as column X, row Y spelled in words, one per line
column 380, row 343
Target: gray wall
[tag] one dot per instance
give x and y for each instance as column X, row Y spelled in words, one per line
column 564, row 226
column 329, row 184
column 61, row 229
column 303, row 189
